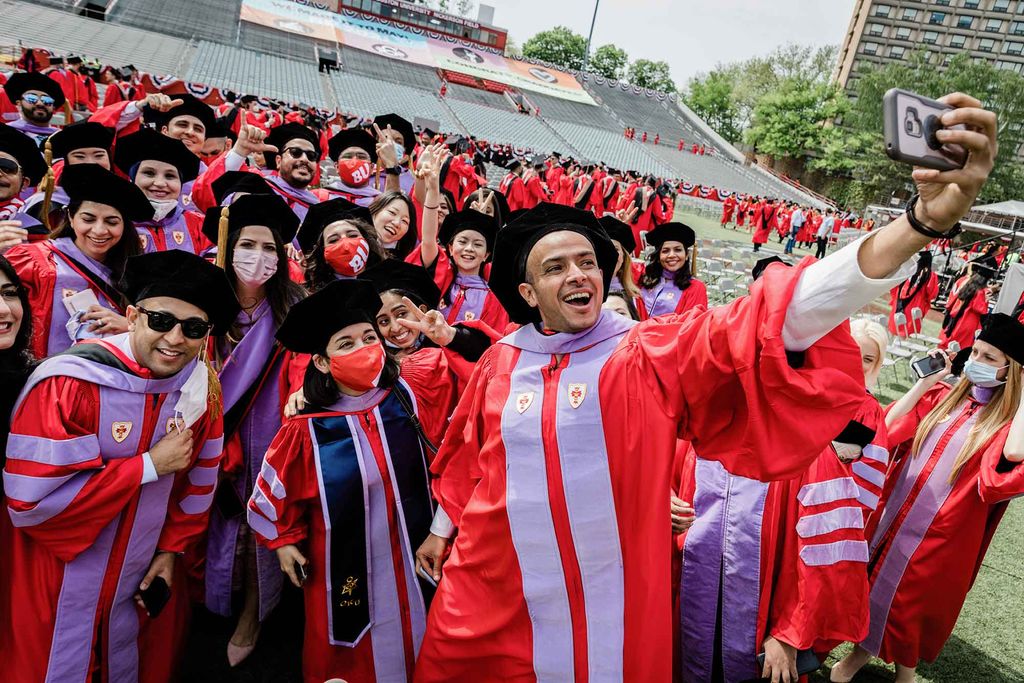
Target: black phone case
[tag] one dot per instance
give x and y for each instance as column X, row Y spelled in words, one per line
column 229, row 505
column 806, row 662
column 155, row 597
column 890, row 129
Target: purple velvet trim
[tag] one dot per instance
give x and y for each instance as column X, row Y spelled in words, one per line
column 242, row 366
column 298, row 199
column 66, row 279
column 876, row 453
column 822, row 523
column 203, row 476
column 29, row 489
column 983, row 394
column 830, row 491
column 825, row 554
column 211, row 449
column 171, row 223
column 474, row 292
column 663, row 299
column 609, row 325
column 915, row 525
column 530, row 521
column 869, row 473
column 63, row 453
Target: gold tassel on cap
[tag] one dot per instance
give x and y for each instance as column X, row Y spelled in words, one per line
column 222, row 239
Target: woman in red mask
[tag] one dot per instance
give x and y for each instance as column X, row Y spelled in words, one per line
column 343, row 496
column 338, row 242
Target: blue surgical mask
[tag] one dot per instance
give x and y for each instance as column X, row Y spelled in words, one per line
column 981, row 374
column 399, row 151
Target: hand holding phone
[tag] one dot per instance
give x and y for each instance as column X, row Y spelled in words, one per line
column 910, row 124
column 932, row 364
column 155, row 597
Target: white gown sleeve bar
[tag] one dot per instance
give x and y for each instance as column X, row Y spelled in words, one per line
column 831, row 290
column 442, row 525
column 234, row 161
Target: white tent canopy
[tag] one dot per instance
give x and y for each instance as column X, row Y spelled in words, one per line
column 1011, row 207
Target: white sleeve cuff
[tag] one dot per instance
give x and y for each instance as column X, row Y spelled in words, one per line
column 149, row 474
column 129, row 114
column 234, row 161
column 829, row 291
column 442, row 525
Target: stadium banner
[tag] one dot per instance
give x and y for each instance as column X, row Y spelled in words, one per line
column 393, row 42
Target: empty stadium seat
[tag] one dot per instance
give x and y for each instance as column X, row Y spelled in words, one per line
column 246, row 71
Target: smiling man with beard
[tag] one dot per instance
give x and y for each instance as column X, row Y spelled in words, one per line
column 112, row 462
column 557, row 460
column 37, row 97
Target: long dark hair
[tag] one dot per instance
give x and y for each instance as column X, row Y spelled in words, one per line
column 320, row 390
column 127, row 246
column 18, row 358
column 409, row 239
column 909, row 289
column 654, row 270
column 970, row 289
column 319, row 273
column 281, row 292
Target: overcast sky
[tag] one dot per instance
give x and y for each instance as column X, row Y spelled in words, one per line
column 691, row 35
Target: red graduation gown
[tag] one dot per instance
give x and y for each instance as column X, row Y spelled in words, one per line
column 514, row 190
column 728, row 207
column 287, row 508
column 970, row 313
column 443, row 271
column 920, row 298
column 562, row 565
column 83, row 529
column 929, row 540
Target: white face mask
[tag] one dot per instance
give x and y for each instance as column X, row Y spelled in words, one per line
column 982, row 375
column 254, row 267
column 162, row 208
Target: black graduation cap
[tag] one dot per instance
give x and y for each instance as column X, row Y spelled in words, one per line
column 457, row 144
column 469, row 219
column 538, row 160
column 312, row 322
column 411, row 280
column 761, row 264
column 430, row 132
column 25, row 152
column 20, row 83
column 190, row 106
column 323, row 214
column 399, row 125
column 247, row 99
column 619, row 231
column 513, row 165
column 254, row 209
column 182, row 275
column 1006, row 334
column 79, row 136
column 983, row 270
column 74, row 59
column 856, row 433
column 233, row 182
column 149, row 145
column 352, row 137
column 513, row 244
column 281, row 135
column 677, row 232
column 93, row 183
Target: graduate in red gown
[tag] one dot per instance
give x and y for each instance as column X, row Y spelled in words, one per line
column 763, row 222
column 741, row 212
column 917, row 292
column 728, row 208
column 965, row 308
column 344, row 492
column 24, row 168
column 958, row 453
column 512, row 186
column 649, row 206
column 668, row 285
column 102, row 518
column 540, row 475
column 535, row 191
column 72, row 279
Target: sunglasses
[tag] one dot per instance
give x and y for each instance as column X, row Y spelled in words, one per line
column 9, row 166
column 32, row 98
column 298, row 153
column 193, row 328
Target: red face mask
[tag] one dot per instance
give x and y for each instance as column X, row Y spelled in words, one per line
column 354, row 172
column 347, row 256
column 359, row 370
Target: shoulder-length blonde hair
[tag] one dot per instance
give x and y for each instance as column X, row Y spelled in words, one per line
column 993, row 417
column 869, row 329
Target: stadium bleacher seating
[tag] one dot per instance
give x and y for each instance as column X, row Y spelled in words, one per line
column 563, row 110
column 209, row 19
column 506, row 126
column 262, row 39
column 609, row 147
column 363, row 96
column 477, row 96
column 247, row 71
column 391, row 70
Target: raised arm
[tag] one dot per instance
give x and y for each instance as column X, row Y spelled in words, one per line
column 429, row 170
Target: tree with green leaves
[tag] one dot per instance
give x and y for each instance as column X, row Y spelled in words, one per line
column 711, row 97
column 559, row 46
column 609, row 61
column 645, row 73
column 790, row 121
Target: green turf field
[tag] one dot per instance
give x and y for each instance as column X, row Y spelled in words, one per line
column 988, row 643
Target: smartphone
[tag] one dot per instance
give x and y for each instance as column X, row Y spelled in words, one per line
column 806, row 662
column 155, row 597
column 300, row 571
column 425, row 576
column 928, row 365
column 910, row 122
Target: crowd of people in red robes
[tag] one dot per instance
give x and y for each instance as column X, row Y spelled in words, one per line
column 402, row 412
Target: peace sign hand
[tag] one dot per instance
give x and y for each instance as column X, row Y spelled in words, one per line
column 627, row 215
column 431, row 324
column 387, row 154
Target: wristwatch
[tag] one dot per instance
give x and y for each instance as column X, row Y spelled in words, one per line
column 394, row 170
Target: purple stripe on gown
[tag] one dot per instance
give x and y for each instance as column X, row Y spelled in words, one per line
column 51, row 451
column 298, row 200
column 722, row 556
column 662, row 299
column 914, row 527
column 173, row 222
column 587, row 483
column 531, row 524
column 474, row 290
column 70, row 281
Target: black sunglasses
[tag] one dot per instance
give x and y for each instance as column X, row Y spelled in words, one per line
column 9, row 166
column 298, row 153
column 193, row 328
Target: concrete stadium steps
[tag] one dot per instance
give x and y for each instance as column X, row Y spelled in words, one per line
column 277, row 43
column 65, row 33
column 245, row 71
column 477, row 96
column 365, row 96
column 392, row 70
column 194, row 19
column 610, row 147
column 497, row 126
column 642, row 112
column 555, row 108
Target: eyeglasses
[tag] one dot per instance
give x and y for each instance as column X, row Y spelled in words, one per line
column 298, row 153
column 9, row 166
column 32, row 98
column 193, row 328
